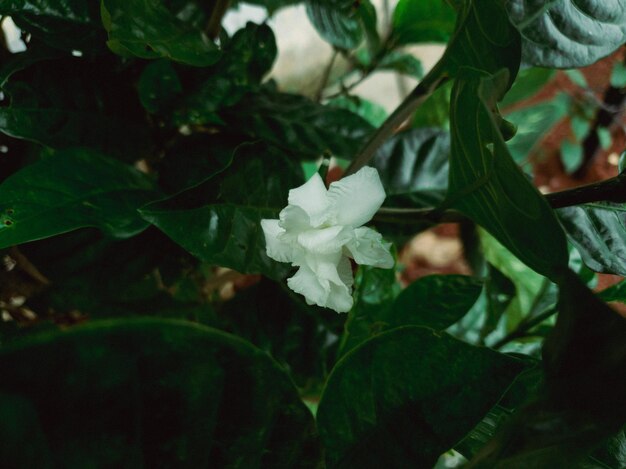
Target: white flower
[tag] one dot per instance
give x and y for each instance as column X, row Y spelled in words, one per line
column 321, row 229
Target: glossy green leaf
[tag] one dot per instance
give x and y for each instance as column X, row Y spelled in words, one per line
column 568, row 33
column 51, row 103
column 342, row 23
column 146, row 29
column 220, row 223
column 299, row 125
column 70, row 190
column 487, row 186
column 64, row 24
column 435, row 301
column 484, row 39
column 406, row 396
column 247, row 58
column 597, row 231
column 373, row 113
column 418, row 21
column 529, row 82
column 207, row 398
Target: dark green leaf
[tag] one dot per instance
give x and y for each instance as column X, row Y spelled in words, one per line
column 71, row 190
column 406, row 396
column 158, row 84
column 568, row 33
column 298, row 124
column 597, row 231
column 403, row 63
column 485, row 40
column 373, row 113
column 487, row 185
column 417, row 21
column 207, row 398
column 435, row 110
column 529, row 81
column 615, row 292
column 435, row 301
column 342, row 23
column 302, row 338
column 146, row 29
column 220, row 223
column 65, row 24
column 53, row 104
column 247, row 58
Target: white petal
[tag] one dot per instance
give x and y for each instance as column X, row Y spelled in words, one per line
column 344, row 269
column 355, row 199
column 325, row 240
column 275, row 247
column 314, row 290
column 367, row 248
column 312, row 198
column 294, row 219
column 340, row 298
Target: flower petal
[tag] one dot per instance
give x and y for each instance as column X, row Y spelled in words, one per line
column 312, row 198
column 355, row 199
column 325, row 240
column 340, row 298
column 275, row 248
column 368, row 248
column 294, row 219
column 344, row 269
column 306, row 283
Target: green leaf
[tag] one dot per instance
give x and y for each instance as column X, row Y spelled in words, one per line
column 373, row 113
column 146, row 29
column 298, row 124
column 597, row 231
column 247, row 58
column 406, row 396
column 568, row 33
column 529, row 82
column 618, row 75
column 70, row 190
column 64, row 24
column 615, row 292
column 341, row 23
column 435, row 112
column 207, row 398
column 418, row 21
column 54, row 105
column 435, row 301
column 484, row 39
column 486, row 185
column 403, row 63
column 158, row 84
column 571, row 156
column 533, row 123
column 220, row 223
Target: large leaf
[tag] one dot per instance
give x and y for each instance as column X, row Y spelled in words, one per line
column 435, row 301
column 70, row 190
column 220, row 223
column 568, row 33
column 298, row 124
column 147, row 29
column 597, row 230
column 406, row 396
column 149, row 393
column 52, row 103
column 66, row 24
column 418, row 21
column 487, row 185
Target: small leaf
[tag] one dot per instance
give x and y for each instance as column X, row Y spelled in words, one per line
column 571, row 156
column 403, row 63
column 207, row 398
column 406, row 396
column 146, row 29
column 71, row 190
column 597, row 231
column 342, row 23
column 568, row 33
column 158, row 83
column 618, row 75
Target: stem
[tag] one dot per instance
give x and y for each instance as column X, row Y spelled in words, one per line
column 326, row 76
column 433, row 80
column 215, row 21
column 612, row 190
column 524, row 327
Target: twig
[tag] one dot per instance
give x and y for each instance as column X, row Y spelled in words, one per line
column 611, row 190
column 433, row 80
column 215, row 21
column 326, row 76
